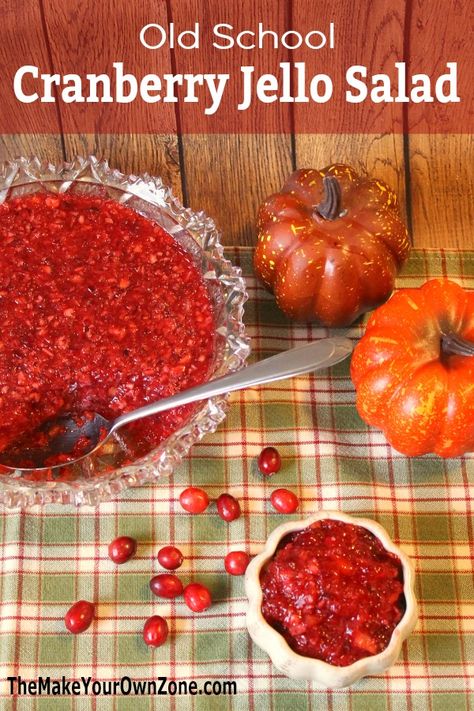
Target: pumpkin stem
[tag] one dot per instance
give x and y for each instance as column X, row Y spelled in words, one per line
column 452, row 344
column 330, row 207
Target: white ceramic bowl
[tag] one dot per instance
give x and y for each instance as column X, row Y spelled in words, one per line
column 300, row 667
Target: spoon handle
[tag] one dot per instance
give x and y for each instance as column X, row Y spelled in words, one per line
column 303, row 359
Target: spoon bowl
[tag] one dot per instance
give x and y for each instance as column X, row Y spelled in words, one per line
column 71, row 437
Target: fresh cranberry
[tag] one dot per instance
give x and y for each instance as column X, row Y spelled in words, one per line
column 236, row 562
column 166, row 585
column 284, row 501
column 122, row 549
column 333, row 592
column 194, row 500
column 155, row 631
column 170, row 557
column 269, row 461
column 79, row 617
column 197, row 597
column 228, row 507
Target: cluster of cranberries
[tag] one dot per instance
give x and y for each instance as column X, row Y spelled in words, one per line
column 196, row 501
column 167, row 585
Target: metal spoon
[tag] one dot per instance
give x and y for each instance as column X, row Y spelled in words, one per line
column 68, row 429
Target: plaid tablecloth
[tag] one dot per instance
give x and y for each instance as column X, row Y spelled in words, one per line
column 54, row 556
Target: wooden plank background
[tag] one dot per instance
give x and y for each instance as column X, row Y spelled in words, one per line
column 228, row 175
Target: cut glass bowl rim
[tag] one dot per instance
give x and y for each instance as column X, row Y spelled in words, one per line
column 17, row 176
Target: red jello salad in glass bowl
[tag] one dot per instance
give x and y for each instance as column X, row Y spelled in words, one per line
column 112, row 295
column 330, row 599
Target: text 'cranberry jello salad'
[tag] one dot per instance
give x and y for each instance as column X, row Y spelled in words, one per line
column 333, row 592
column 101, row 311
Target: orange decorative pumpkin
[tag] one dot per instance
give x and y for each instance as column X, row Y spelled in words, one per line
column 414, row 370
column 330, row 245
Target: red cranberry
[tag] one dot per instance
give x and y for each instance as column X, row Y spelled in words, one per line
column 122, row 549
column 170, row 557
column 155, row 631
column 228, row 507
column 197, row 597
column 284, row 501
column 236, row 562
column 269, row 461
column 166, row 585
column 194, row 500
column 79, row 617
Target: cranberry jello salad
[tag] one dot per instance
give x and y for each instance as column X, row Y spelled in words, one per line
column 331, row 598
column 101, row 310
column 334, row 592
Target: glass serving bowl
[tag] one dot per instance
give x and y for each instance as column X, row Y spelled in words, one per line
column 102, row 475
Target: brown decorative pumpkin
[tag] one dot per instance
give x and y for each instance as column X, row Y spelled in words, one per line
column 414, row 370
column 330, row 245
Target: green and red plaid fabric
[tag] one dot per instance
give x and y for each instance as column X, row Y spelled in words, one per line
column 54, row 556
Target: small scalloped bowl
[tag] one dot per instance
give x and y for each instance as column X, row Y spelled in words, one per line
column 297, row 666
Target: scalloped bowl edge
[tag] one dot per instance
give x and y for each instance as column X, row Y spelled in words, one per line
column 274, row 644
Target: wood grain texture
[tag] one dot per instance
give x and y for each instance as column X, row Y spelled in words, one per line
column 438, row 32
column 47, row 146
column 132, row 153
column 82, row 35
column 442, row 189
column 270, row 118
column 371, row 34
column 440, row 172
column 23, row 29
column 228, row 176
